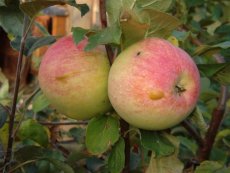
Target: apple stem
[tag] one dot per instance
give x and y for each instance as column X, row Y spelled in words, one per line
column 111, row 56
column 26, row 27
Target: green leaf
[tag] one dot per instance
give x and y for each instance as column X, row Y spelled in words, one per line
column 209, row 70
column 161, row 24
column 133, row 28
column 32, row 43
column 78, row 134
column 223, row 76
column 198, row 119
column 61, row 165
column 31, row 129
column 221, row 135
column 4, row 89
column 32, row 7
column 2, row 3
column 40, row 102
column 114, row 10
column 116, row 161
column 206, row 49
column 105, row 37
column 11, row 19
column 189, row 144
column 79, row 34
column 168, row 164
column 162, row 5
column 30, row 152
column 156, row 142
column 224, row 170
column 218, row 72
column 209, row 167
column 3, row 115
column 101, row 133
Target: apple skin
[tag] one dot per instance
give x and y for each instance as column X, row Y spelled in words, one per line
column 153, row 85
column 75, row 81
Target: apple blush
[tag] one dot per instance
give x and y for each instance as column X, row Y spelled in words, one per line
column 75, row 81
column 153, row 84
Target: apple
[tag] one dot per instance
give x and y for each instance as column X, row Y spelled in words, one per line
column 75, row 81
column 153, row 84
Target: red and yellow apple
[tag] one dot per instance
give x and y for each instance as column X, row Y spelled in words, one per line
column 153, row 84
column 75, row 81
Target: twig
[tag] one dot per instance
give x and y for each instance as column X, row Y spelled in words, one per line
column 111, row 55
column 65, row 123
column 217, row 117
column 192, row 132
column 26, row 28
column 104, row 24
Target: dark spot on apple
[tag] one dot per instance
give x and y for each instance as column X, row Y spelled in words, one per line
column 138, row 53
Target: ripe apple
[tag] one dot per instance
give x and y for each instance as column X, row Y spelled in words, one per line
column 75, row 81
column 153, row 85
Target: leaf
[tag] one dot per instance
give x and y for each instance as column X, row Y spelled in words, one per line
column 94, row 164
column 4, row 134
column 156, row 142
column 161, row 24
column 11, row 19
column 116, row 160
column 168, row 164
column 209, row 70
column 190, row 144
column 223, row 76
column 208, row 167
column 218, row 72
column 205, row 49
column 224, row 170
column 31, row 129
column 113, row 10
column 79, row 34
column 3, row 115
column 221, row 135
column 32, row 7
column 61, row 165
column 40, row 102
column 77, row 133
column 29, row 153
column 198, row 119
column 160, row 5
column 4, row 86
column 32, row 43
column 133, row 28
column 105, row 37
column 101, row 133
column 2, row 3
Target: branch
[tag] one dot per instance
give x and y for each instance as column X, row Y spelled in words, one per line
column 217, row 117
column 104, row 24
column 26, row 28
column 111, row 55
